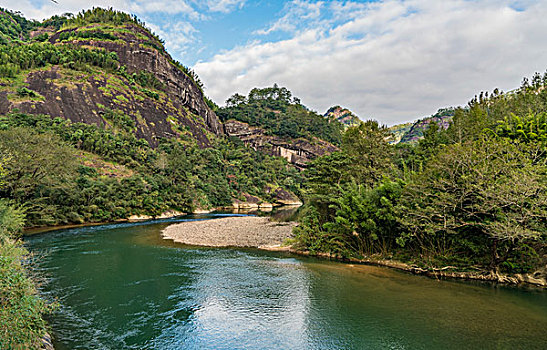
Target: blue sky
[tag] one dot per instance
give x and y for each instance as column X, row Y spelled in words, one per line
column 390, row 60
column 243, row 22
column 224, row 31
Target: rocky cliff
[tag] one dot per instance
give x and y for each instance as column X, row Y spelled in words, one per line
column 175, row 106
column 297, row 151
column 413, row 132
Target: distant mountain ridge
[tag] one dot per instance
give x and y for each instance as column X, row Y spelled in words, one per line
column 343, row 115
column 397, row 132
column 413, row 132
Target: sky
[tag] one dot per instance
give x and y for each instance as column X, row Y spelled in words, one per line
column 393, row 60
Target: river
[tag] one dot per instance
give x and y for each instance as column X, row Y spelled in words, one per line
column 121, row 286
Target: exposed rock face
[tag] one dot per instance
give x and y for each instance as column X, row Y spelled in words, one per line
column 83, row 97
column 416, row 132
column 284, row 197
column 251, row 202
column 343, row 115
column 396, row 132
column 297, row 152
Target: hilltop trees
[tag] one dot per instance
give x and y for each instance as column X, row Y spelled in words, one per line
column 16, row 58
column 279, row 113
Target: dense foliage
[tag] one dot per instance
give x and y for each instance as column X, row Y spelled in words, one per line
column 472, row 195
column 15, row 58
column 46, row 172
column 13, row 26
column 21, row 309
column 275, row 110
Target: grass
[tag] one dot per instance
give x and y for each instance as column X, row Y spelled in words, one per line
column 21, row 308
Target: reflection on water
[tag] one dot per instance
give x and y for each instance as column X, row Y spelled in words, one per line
column 123, row 287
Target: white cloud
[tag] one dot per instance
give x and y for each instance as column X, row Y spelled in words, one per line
column 297, row 14
column 170, row 7
column 178, row 36
column 391, row 60
column 224, row 6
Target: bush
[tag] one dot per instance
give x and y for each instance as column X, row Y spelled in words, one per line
column 21, row 309
column 24, row 92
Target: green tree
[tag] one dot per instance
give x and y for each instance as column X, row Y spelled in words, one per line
column 365, row 218
column 371, row 155
column 37, row 161
column 474, row 198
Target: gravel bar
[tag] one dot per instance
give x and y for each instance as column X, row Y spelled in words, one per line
column 246, row 231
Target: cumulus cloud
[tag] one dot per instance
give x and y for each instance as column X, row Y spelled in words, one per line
column 389, row 60
column 177, row 36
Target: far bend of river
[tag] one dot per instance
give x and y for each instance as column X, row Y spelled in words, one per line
column 121, row 286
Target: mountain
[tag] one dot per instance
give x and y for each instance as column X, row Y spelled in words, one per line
column 104, row 68
column 397, row 132
column 297, row 151
column 412, row 132
column 99, row 123
column 343, row 116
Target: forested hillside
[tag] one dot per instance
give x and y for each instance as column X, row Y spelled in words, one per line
column 280, row 114
column 471, row 197
column 99, row 123
column 414, row 131
column 105, row 68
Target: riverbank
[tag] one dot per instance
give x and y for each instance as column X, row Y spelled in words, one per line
column 538, row 279
column 247, row 231
column 261, row 233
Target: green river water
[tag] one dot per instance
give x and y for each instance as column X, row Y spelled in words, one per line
column 121, row 286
